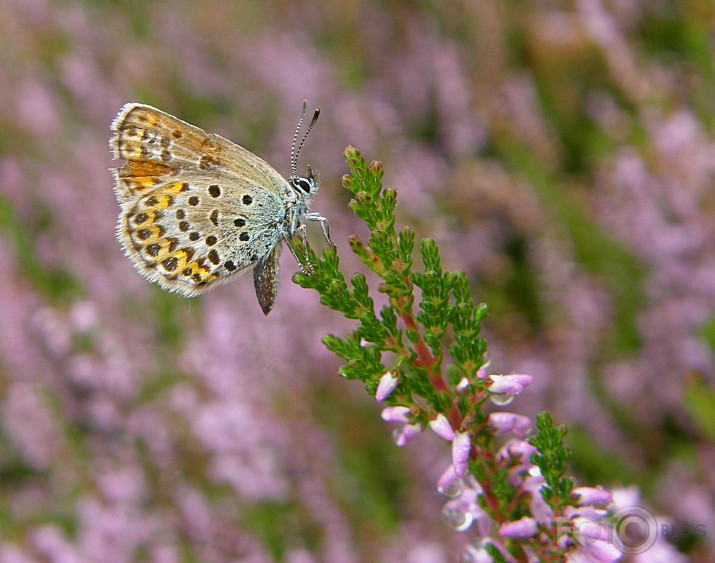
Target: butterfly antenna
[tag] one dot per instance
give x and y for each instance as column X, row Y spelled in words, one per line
column 316, row 115
column 293, row 153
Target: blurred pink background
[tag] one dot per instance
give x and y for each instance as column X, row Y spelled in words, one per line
column 561, row 153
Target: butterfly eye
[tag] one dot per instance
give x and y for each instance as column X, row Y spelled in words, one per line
column 303, row 184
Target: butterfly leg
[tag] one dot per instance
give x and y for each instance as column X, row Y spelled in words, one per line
column 317, row 217
column 300, row 232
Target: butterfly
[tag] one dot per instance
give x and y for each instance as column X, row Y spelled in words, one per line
column 198, row 210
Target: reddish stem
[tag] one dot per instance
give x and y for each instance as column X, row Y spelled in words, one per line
column 427, row 361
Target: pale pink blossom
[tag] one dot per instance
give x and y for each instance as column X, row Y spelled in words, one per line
column 441, row 427
column 509, row 384
column 461, row 446
column 595, row 551
column 388, row 383
column 520, row 529
column 589, row 529
column 541, row 511
column 449, row 477
column 482, row 371
column 505, row 422
column 396, row 414
column 520, row 449
column 406, row 434
column 592, row 495
column 463, row 385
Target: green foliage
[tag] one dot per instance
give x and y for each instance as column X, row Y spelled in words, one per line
column 280, row 524
column 414, row 334
column 495, row 554
column 372, row 479
column 700, row 402
column 429, row 311
column 552, row 459
column 55, row 284
column 414, row 339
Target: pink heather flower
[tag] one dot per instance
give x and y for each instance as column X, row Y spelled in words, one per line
column 475, row 552
column 461, row 446
column 49, row 541
column 589, row 512
column 625, row 497
column 509, row 384
column 524, row 528
column 464, row 382
column 505, row 422
column 516, row 455
column 595, row 551
column 482, row 372
column 405, row 434
column 462, row 511
column 517, row 449
column 589, row 529
column 396, row 414
column 441, row 427
column 448, row 478
column 627, row 500
column 539, row 509
column 462, row 385
column 592, row 495
column 387, row 385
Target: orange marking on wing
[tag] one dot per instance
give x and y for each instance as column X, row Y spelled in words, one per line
column 176, row 188
column 182, row 258
column 198, row 272
column 156, row 250
column 147, row 235
column 157, row 202
column 134, row 168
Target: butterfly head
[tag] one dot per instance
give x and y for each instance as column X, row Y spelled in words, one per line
column 305, row 187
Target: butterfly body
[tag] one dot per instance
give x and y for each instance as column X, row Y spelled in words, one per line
column 197, row 210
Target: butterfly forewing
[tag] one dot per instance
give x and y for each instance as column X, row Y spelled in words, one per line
column 197, row 209
column 158, row 143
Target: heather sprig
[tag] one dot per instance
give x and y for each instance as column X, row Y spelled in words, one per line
column 422, row 354
column 415, row 338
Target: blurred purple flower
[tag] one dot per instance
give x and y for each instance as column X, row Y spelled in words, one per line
column 592, row 495
column 524, row 528
column 506, row 422
column 97, row 366
column 396, row 414
column 405, row 434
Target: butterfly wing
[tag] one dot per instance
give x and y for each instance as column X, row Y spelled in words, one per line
column 197, row 210
column 158, row 145
column 181, row 237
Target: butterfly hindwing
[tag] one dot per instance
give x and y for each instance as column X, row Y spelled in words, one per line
column 191, row 235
